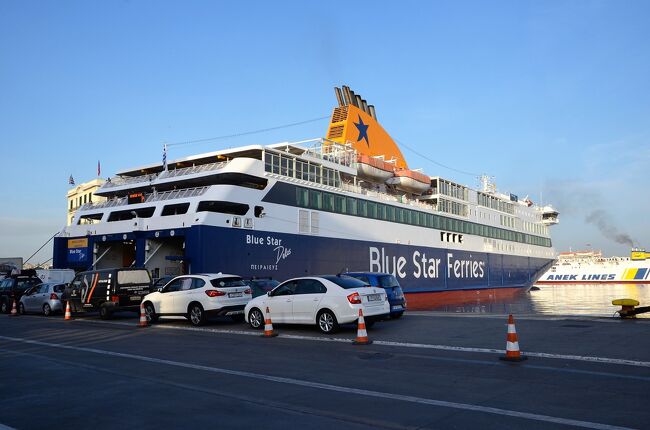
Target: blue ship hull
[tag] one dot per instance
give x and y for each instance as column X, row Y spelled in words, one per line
column 257, row 253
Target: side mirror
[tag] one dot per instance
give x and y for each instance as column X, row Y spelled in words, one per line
column 159, row 289
column 268, row 293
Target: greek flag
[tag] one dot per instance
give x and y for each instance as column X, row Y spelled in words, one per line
column 164, row 157
column 71, row 180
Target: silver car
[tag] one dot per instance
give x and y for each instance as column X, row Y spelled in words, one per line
column 43, row 299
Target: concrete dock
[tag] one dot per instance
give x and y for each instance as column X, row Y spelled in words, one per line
column 426, row 370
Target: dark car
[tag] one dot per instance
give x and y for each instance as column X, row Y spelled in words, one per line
column 389, row 283
column 261, row 286
column 13, row 287
column 108, row 290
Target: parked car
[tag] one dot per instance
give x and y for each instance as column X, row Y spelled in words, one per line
column 326, row 301
column 14, row 286
column 198, row 296
column 108, row 290
column 43, row 298
column 261, row 286
column 389, row 283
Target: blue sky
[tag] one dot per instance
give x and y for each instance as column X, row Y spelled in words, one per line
column 550, row 97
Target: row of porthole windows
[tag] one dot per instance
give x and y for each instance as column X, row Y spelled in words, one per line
column 330, row 202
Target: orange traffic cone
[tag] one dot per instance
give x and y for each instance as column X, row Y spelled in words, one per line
column 14, row 311
column 362, row 334
column 143, row 317
column 512, row 344
column 68, row 314
column 268, row 326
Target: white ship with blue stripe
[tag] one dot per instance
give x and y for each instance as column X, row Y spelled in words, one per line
column 314, row 207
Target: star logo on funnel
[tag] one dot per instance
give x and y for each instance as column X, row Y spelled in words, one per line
column 363, row 130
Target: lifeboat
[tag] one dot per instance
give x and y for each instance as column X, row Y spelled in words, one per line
column 410, row 181
column 373, row 168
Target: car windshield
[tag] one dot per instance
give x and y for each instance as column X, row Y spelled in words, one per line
column 388, row 281
column 346, row 282
column 23, row 284
column 228, row 282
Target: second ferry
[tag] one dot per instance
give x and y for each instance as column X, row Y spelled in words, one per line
column 345, row 202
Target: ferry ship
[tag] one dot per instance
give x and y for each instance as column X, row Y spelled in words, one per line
column 590, row 267
column 348, row 201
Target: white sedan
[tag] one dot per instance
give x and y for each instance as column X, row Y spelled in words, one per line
column 326, row 301
column 197, row 296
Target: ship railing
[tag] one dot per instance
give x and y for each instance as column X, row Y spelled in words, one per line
column 385, row 196
column 176, row 194
column 149, row 197
column 117, row 181
column 193, row 169
column 329, row 150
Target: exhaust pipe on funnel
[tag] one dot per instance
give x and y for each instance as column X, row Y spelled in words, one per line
column 371, row 111
column 339, row 96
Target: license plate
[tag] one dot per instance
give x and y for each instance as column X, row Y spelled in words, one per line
column 374, row 297
column 235, row 294
column 135, row 298
column 396, row 308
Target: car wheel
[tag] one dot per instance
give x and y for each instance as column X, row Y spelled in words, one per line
column 256, row 319
column 396, row 315
column 150, row 313
column 47, row 310
column 326, row 321
column 21, row 309
column 104, row 312
column 237, row 318
column 196, row 314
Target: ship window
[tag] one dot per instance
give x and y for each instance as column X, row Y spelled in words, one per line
column 177, row 209
column 372, row 210
column 269, row 158
column 423, row 219
column 130, row 214
column 315, row 199
column 328, row 202
column 381, row 211
column 339, row 204
column 413, row 217
column 351, row 206
column 223, row 207
column 286, row 166
column 90, row 218
column 314, row 173
column 362, row 208
column 399, row 215
column 302, row 197
column 390, row 213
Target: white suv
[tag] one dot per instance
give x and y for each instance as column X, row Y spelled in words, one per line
column 197, row 296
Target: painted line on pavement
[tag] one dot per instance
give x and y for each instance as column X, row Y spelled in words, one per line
column 329, row 387
column 592, row 359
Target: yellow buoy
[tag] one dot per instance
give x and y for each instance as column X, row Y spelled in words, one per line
column 625, row 302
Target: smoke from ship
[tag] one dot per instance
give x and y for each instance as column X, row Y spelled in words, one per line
column 602, row 220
